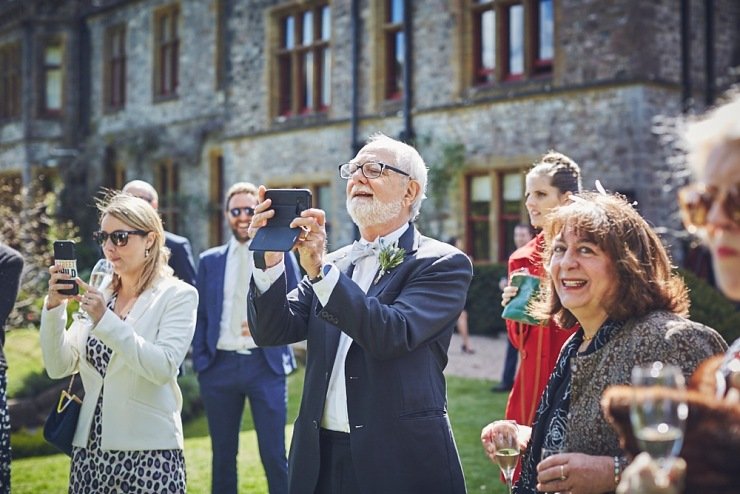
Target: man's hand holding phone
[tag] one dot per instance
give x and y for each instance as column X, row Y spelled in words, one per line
column 310, row 239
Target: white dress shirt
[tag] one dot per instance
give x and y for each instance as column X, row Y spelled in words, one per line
column 335, row 415
column 229, row 338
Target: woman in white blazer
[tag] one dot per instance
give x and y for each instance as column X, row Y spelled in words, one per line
column 129, row 434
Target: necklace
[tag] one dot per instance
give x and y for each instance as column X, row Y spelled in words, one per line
column 587, row 338
column 124, row 311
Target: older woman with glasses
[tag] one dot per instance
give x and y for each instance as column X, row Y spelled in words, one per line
column 710, row 208
column 129, row 434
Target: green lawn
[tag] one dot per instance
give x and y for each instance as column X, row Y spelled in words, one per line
column 471, row 406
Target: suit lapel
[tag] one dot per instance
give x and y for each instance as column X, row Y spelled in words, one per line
column 409, row 242
column 219, row 262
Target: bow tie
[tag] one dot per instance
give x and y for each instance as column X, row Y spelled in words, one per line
column 360, row 250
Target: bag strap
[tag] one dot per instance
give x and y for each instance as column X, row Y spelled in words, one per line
column 67, row 397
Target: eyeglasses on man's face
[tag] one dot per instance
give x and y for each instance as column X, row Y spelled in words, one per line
column 235, row 212
column 696, row 200
column 370, row 169
column 118, row 237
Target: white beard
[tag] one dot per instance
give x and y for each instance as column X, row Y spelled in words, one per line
column 370, row 213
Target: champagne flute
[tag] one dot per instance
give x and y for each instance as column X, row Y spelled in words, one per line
column 506, row 440
column 100, row 277
column 658, row 418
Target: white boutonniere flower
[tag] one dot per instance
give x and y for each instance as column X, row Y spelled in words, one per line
column 390, row 256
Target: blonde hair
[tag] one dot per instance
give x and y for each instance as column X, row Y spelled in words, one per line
column 718, row 126
column 139, row 215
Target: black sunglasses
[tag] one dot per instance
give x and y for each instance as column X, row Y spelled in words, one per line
column 235, row 212
column 118, row 237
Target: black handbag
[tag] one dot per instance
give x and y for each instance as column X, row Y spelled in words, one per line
column 60, row 425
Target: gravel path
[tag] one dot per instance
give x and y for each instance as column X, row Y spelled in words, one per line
column 486, row 363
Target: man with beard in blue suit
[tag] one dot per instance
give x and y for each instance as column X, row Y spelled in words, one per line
column 378, row 317
column 229, row 364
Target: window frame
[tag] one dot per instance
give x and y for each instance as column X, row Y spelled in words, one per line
column 497, row 218
column 390, row 30
column 167, row 180
column 115, row 67
column 11, row 79
column 45, row 70
column 300, row 93
column 166, row 52
column 534, row 68
column 216, row 193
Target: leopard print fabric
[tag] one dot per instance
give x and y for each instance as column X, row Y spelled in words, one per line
column 98, row 471
column 4, row 435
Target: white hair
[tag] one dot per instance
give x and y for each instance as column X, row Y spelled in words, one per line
column 409, row 160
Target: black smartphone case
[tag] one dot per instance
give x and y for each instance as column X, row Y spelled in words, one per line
column 277, row 236
column 64, row 256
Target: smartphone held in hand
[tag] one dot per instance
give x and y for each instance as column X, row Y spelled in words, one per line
column 276, row 235
column 66, row 260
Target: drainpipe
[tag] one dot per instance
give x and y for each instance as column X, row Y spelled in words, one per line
column 709, row 52
column 27, row 74
column 355, row 104
column 408, row 131
column 685, row 56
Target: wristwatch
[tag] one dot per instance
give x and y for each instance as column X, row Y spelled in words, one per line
column 322, row 272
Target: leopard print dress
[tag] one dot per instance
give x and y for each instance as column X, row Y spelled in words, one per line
column 99, row 471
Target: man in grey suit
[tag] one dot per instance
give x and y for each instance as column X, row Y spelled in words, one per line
column 181, row 253
column 378, row 317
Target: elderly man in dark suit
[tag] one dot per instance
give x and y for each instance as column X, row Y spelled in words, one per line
column 230, row 367
column 181, row 253
column 378, row 317
column 11, row 267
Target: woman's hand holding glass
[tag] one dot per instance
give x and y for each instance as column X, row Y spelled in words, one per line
column 658, row 419
column 502, row 440
column 552, row 470
column 93, row 303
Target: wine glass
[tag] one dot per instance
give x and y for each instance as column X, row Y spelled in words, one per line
column 547, row 452
column 659, row 417
column 506, row 441
column 100, row 277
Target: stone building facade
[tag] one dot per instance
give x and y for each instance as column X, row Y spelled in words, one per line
column 194, row 95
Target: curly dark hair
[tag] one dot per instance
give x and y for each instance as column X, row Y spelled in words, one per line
column 645, row 281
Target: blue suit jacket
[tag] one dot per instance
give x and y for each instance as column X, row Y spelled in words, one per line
column 400, row 434
column 181, row 257
column 210, row 285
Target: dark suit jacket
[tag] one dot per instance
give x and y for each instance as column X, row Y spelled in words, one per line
column 11, row 266
column 181, row 257
column 400, row 433
column 210, row 285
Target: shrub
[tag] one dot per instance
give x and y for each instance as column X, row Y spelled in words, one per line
column 710, row 307
column 29, row 226
column 27, row 443
column 192, row 404
column 484, row 300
